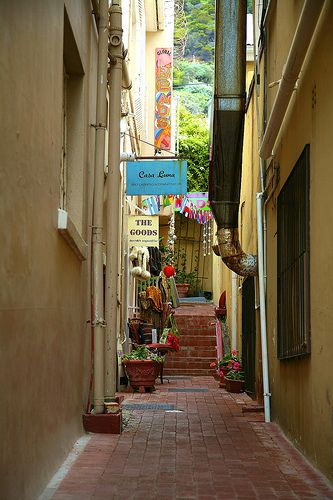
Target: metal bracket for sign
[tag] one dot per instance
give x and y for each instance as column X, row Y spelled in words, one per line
column 157, row 158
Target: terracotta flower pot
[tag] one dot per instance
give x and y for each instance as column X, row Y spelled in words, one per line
column 142, row 373
column 234, row 385
column 182, row 289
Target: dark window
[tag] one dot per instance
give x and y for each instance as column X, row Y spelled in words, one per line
column 293, row 262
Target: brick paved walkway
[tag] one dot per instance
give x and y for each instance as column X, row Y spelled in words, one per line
column 209, row 450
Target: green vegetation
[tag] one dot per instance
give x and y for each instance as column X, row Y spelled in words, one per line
column 201, row 26
column 194, row 146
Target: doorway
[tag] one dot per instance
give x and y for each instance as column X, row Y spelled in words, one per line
column 249, row 335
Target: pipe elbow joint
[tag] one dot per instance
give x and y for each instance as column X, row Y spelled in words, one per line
column 232, row 254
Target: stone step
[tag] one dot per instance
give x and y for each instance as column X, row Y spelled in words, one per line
column 188, row 363
column 185, row 371
column 197, row 340
column 195, row 352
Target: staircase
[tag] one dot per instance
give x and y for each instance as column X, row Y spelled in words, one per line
column 197, row 341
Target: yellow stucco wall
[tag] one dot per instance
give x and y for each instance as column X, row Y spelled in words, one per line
column 45, row 341
column 302, row 389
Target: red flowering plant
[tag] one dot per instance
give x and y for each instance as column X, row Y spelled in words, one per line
column 230, row 361
column 170, row 335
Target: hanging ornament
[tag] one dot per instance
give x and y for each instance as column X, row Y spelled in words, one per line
column 204, row 240
column 169, row 271
column 209, row 235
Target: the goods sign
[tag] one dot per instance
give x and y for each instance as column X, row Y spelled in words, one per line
column 143, row 230
column 156, row 177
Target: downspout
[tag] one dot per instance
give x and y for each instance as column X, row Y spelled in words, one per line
column 234, row 311
column 262, row 298
column 300, row 44
column 98, row 323
column 261, row 236
column 113, row 200
column 228, row 130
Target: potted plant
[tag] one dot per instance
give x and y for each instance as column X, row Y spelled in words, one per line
column 186, row 281
column 142, row 367
column 228, row 361
column 234, row 379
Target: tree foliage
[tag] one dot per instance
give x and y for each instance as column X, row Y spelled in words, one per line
column 194, row 146
column 193, row 82
column 201, row 26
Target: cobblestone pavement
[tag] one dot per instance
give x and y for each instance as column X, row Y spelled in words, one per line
column 192, row 444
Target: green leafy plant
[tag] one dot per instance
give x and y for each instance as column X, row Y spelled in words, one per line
column 142, row 353
column 229, row 360
column 194, row 146
column 235, row 375
column 184, row 276
column 167, row 253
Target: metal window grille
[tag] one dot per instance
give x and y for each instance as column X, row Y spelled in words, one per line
column 293, row 262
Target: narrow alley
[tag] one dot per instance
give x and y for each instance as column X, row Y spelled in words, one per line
column 191, row 439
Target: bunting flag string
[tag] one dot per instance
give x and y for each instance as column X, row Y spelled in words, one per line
column 151, row 205
column 192, row 205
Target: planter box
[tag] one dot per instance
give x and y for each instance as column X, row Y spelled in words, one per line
column 142, row 373
column 182, row 289
column 103, row 423
column 234, row 385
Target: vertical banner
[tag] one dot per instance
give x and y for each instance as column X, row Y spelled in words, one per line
column 163, row 88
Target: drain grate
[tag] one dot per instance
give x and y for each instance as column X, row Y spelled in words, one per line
column 148, row 406
column 190, row 389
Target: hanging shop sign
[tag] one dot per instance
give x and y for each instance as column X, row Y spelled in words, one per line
column 163, row 86
column 143, row 230
column 156, row 177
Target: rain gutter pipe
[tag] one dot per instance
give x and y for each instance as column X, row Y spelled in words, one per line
column 228, row 130
column 113, row 205
column 300, row 44
column 262, row 298
column 261, row 237
column 234, row 311
column 98, row 323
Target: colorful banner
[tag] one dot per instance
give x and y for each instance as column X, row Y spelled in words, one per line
column 151, row 205
column 143, row 231
column 156, row 177
column 163, row 88
column 194, row 206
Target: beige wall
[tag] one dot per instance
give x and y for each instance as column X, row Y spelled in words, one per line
column 302, row 389
column 45, row 342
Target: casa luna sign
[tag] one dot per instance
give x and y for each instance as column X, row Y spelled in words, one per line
column 156, row 177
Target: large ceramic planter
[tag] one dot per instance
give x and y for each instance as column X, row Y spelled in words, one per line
column 142, row 373
column 182, row 289
column 234, row 385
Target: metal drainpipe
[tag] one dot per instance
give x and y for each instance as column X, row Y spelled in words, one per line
column 263, row 329
column 234, row 311
column 113, row 200
column 98, row 322
column 300, row 44
column 228, row 131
